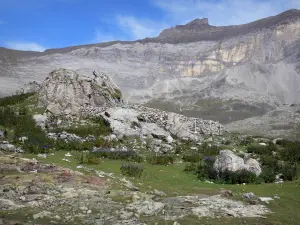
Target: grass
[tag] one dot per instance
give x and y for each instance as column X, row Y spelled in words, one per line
column 173, row 181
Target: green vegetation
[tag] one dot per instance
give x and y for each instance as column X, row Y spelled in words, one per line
column 118, row 155
column 14, row 99
column 98, row 127
column 161, row 160
column 132, row 170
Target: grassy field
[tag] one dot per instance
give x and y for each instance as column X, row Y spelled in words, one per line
column 172, row 180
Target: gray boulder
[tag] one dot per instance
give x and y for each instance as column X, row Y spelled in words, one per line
column 227, row 160
column 64, row 92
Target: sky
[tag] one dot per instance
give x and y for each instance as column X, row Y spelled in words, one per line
column 42, row 24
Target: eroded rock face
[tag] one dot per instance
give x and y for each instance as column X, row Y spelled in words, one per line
column 65, row 91
column 227, row 160
column 139, row 120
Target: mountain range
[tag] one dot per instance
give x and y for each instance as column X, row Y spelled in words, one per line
column 245, row 76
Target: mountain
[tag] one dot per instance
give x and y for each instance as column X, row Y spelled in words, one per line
column 228, row 73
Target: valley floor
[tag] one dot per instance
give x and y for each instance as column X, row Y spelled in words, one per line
column 57, row 190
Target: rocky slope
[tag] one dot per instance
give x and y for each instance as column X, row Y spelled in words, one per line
column 196, row 69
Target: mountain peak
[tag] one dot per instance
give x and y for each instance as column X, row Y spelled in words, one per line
column 199, row 22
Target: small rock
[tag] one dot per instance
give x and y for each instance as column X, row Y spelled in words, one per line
column 44, row 156
column 170, row 139
column 89, row 211
column 265, row 199
column 249, row 195
column 262, row 144
column 83, row 208
column 68, row 155
column 57, row 217
column 226, row 193
column 22, row 198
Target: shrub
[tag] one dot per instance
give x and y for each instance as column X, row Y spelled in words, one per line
column 118, row 155
column 101, row 127
column 291, row 152
column 192, row 157
column 247, row 141
column 132, row 170
column 208, row 150
column 88, row 159
column 161, row 159
column 268, row 174
column 191, row 167
column 258, row 149
column 288, row 171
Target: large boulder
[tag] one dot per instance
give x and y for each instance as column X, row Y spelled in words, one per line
column 65, row 92
column 227, row 160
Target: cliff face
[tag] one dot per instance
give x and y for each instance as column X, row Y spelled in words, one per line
column 250, row 68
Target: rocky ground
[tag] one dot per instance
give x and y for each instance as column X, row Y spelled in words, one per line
column 34, row 192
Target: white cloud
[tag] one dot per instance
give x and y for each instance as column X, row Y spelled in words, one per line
column 223, row 12
column 25, row 46
column 138, row 28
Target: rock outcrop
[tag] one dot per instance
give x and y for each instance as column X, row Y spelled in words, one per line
column 30, row 87
column 227, row 160
column 141, row 121
column 65, row 92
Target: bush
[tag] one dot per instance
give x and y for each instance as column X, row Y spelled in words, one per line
column 258, row 149
column 191, row 167
column 88, row 159
column 288, row 171
column 132, row 170
column 208, row 150
column 161, row 160
column 118, row 155
column 101, row 127
column 291, row 153
column 268, row 174
column 192, row 157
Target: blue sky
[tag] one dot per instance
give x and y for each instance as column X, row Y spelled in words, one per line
column 41, row 24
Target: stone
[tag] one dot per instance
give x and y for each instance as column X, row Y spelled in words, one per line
column 263, row 144
column 253, row 166
column 265, row 199
column 89, row 211
column 7, row 147
column 83, row 208
column 226, row 193
column 44, row 156
column 40, row 120
column 64, row 92
column 158, row 193
column 249, row 195
column 170, row 139
column 227, row 160
column 129, row 185
column 42, row 214
column 23, row 139
column 148, row 207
